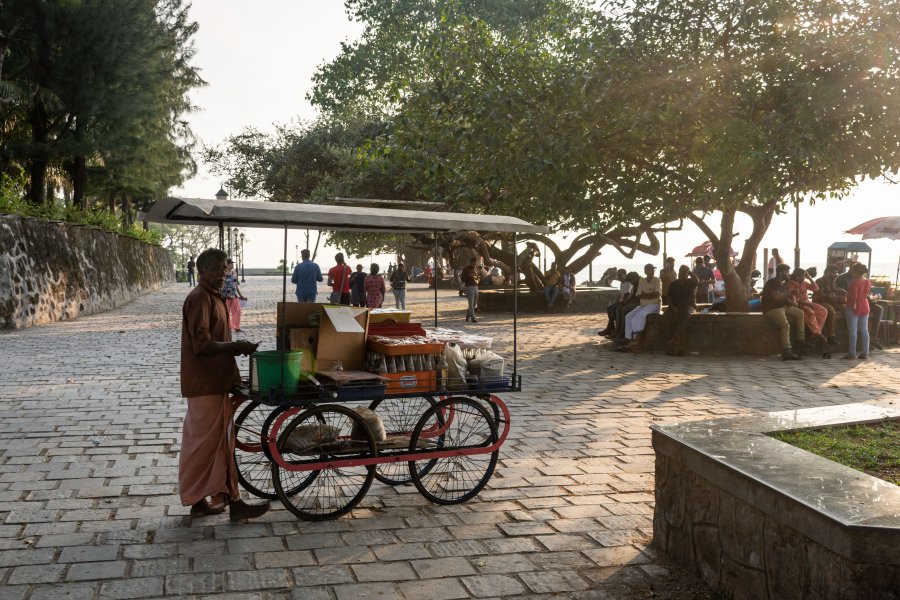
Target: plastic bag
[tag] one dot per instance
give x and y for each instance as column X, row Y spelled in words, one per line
column 456, row 368
column 488, row 366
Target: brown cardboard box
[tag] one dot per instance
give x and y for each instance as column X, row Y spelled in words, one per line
column 306, row 339
column 341, row 332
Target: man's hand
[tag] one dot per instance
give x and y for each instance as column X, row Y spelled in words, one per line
column 244, row 347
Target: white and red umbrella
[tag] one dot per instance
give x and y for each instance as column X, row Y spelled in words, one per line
column 706, row 249
column 882, row 227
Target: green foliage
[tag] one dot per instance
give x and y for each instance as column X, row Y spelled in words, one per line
column 872, row 448
column 184, row 241
column 102, row 89
column 12, row 202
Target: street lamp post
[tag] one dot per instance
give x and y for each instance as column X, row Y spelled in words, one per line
column 237, row 255
column 243, row 279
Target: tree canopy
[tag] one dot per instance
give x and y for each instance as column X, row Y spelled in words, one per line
column 607, row 121
column 94, row 97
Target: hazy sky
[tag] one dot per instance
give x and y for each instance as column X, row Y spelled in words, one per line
column 258, row 60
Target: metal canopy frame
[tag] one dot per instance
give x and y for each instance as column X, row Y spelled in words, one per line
column 289, row 215
column 242, row 213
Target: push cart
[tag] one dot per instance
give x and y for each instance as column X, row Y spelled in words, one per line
column 313, row 448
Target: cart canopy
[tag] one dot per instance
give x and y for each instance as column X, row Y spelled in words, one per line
column 241, row 213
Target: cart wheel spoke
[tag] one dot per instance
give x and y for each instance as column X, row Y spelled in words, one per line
column 454, row 424
column 400, row 416
column 253, row 468
column 309, row 440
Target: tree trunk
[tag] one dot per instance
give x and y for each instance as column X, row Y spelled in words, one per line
column 111, row 201
column 79, row 181
column 126, row 211
column 38, row 167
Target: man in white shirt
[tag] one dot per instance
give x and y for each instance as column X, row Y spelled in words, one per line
column 611, row 310
column 649, row 290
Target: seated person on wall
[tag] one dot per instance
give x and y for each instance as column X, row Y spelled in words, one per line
column 649, row 292
column 667, row 276
column 707, row 279
column 612, row 310
column 783, row 311
column 551, row 285
column 831, row 297
column 799, row 285
column 567, row 287
column 628, row 304
column 682, row 304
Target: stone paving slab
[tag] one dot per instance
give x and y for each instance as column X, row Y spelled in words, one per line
column 90, row 419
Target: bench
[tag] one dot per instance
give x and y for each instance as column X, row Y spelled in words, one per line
column 730, row 334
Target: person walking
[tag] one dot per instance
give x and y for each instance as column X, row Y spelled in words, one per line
column 374, row 288
column 358, row 287
column 305, row 276
column 857, row 311
column 191, row 265
column 231, row 291
column 398, row 280
column 470, row 279
column 207, row 472
column 339, row 280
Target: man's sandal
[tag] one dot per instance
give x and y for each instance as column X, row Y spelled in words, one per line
column 203, row 509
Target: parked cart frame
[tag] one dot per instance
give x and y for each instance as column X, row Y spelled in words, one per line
column 311, row 449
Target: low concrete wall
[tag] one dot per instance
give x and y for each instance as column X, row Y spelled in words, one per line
column 587, row 300
column 51, row 271
column 724, row 334
column 760, row 519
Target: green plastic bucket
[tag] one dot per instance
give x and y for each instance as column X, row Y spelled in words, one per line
column 269, row 366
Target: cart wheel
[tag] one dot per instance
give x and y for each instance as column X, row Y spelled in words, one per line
column 253, row 467
column 323, row 433
column 400, row 416
column 454, row 424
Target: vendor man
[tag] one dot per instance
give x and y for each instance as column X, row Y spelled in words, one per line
column 207, row 473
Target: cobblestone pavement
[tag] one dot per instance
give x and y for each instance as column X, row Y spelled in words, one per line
column 90, row 422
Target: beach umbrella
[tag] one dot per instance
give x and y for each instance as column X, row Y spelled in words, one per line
column 882, row 227
column 706, row 249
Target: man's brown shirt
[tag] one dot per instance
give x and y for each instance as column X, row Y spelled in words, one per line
column 205, row 318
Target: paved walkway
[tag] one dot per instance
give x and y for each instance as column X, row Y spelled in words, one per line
column 90, row 423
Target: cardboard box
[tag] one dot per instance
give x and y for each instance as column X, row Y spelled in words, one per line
column 306, row 339
column 341, row 332
column 410, row 382
column 380, row 315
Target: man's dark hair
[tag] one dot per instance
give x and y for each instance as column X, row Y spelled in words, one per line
column 304, row 254
column 783, row 268
column 209, row 257
column 339, row 257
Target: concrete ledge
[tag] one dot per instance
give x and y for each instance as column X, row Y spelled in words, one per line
column 763, row 519
column 587, row 300
column 747, row 334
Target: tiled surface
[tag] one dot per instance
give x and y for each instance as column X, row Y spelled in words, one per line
column 90, row 422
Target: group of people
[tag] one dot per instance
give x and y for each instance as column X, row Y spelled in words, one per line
column 559, row 284
column 638, row 298
column 786, row 300
column 348, row 287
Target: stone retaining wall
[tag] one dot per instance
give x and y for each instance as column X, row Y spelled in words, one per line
column 51, row 271
column 759, row 519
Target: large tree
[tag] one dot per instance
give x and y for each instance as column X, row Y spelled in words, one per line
column 120, row 72
column 764, row 103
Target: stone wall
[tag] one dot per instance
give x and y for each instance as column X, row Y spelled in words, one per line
column 759, row 519
column 51, row 271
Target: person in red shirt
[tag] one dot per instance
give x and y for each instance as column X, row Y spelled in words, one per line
column 857, row 311
column 339, row 280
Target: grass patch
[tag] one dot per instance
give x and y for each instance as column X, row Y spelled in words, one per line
column 873, row 448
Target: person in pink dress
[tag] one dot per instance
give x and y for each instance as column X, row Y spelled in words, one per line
column 374, row 288
column 857, row 311
column 814, row 315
